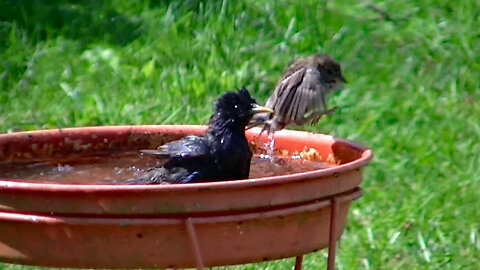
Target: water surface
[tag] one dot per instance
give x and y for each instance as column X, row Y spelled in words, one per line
column 95, row 170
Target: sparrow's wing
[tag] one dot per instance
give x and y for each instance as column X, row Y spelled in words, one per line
column 187, row 147
column 315, row 90
column 284, row 90
column 297, row 94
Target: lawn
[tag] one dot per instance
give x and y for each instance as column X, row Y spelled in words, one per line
column 413, row 96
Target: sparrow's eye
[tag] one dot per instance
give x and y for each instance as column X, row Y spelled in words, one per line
column 337, row 70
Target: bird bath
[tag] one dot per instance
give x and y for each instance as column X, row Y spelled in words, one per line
column 172, row 226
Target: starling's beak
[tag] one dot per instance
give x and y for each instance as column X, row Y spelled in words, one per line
column 260, row 109
column 342, row 79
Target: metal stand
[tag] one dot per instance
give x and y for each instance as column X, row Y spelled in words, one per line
column 332, row 241
column 298, row 262
column 194, row 244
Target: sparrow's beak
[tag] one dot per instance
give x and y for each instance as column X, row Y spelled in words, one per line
column 260, row 109
column 342, row 79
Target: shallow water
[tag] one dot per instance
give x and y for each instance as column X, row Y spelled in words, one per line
column 93, row 170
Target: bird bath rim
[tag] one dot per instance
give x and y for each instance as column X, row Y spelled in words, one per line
column 178, row 199
column 365, row 158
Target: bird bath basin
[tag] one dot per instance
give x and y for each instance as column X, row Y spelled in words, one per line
column 175, row 226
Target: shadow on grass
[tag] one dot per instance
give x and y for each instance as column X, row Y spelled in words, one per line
column 85, row 21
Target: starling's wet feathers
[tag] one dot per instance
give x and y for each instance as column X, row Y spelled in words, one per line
column 222, row 153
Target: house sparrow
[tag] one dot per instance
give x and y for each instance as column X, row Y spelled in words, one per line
column 221, row 153
column 299, row 96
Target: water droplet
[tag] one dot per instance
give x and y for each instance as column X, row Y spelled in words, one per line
column 62, row 169
column 118, row 170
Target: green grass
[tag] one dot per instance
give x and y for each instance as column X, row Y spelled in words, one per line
column 413, row 97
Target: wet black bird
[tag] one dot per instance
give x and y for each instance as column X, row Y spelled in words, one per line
column 221, row 153
column 300, row 94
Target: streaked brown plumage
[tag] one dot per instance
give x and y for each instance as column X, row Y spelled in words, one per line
column 300, row 95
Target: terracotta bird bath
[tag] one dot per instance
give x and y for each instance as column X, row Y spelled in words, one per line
column 172, row 226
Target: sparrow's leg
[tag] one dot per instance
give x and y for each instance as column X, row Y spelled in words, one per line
column 315, row 116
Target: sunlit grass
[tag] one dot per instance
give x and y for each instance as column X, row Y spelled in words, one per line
column 412, row 97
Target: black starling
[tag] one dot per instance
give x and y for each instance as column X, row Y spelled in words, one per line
column 299, row 96
column 222, row 153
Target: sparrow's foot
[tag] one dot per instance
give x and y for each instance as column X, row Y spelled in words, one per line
column 315, row 117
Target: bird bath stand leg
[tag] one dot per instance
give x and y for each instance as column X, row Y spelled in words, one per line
column 298, row 262
column 332, row 241
column 194, row 244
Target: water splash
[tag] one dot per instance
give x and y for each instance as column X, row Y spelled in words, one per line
column 270, row 146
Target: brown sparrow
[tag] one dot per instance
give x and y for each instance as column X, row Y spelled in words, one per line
column 299, row 96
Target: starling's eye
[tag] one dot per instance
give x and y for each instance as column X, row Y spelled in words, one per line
column 236, row 106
